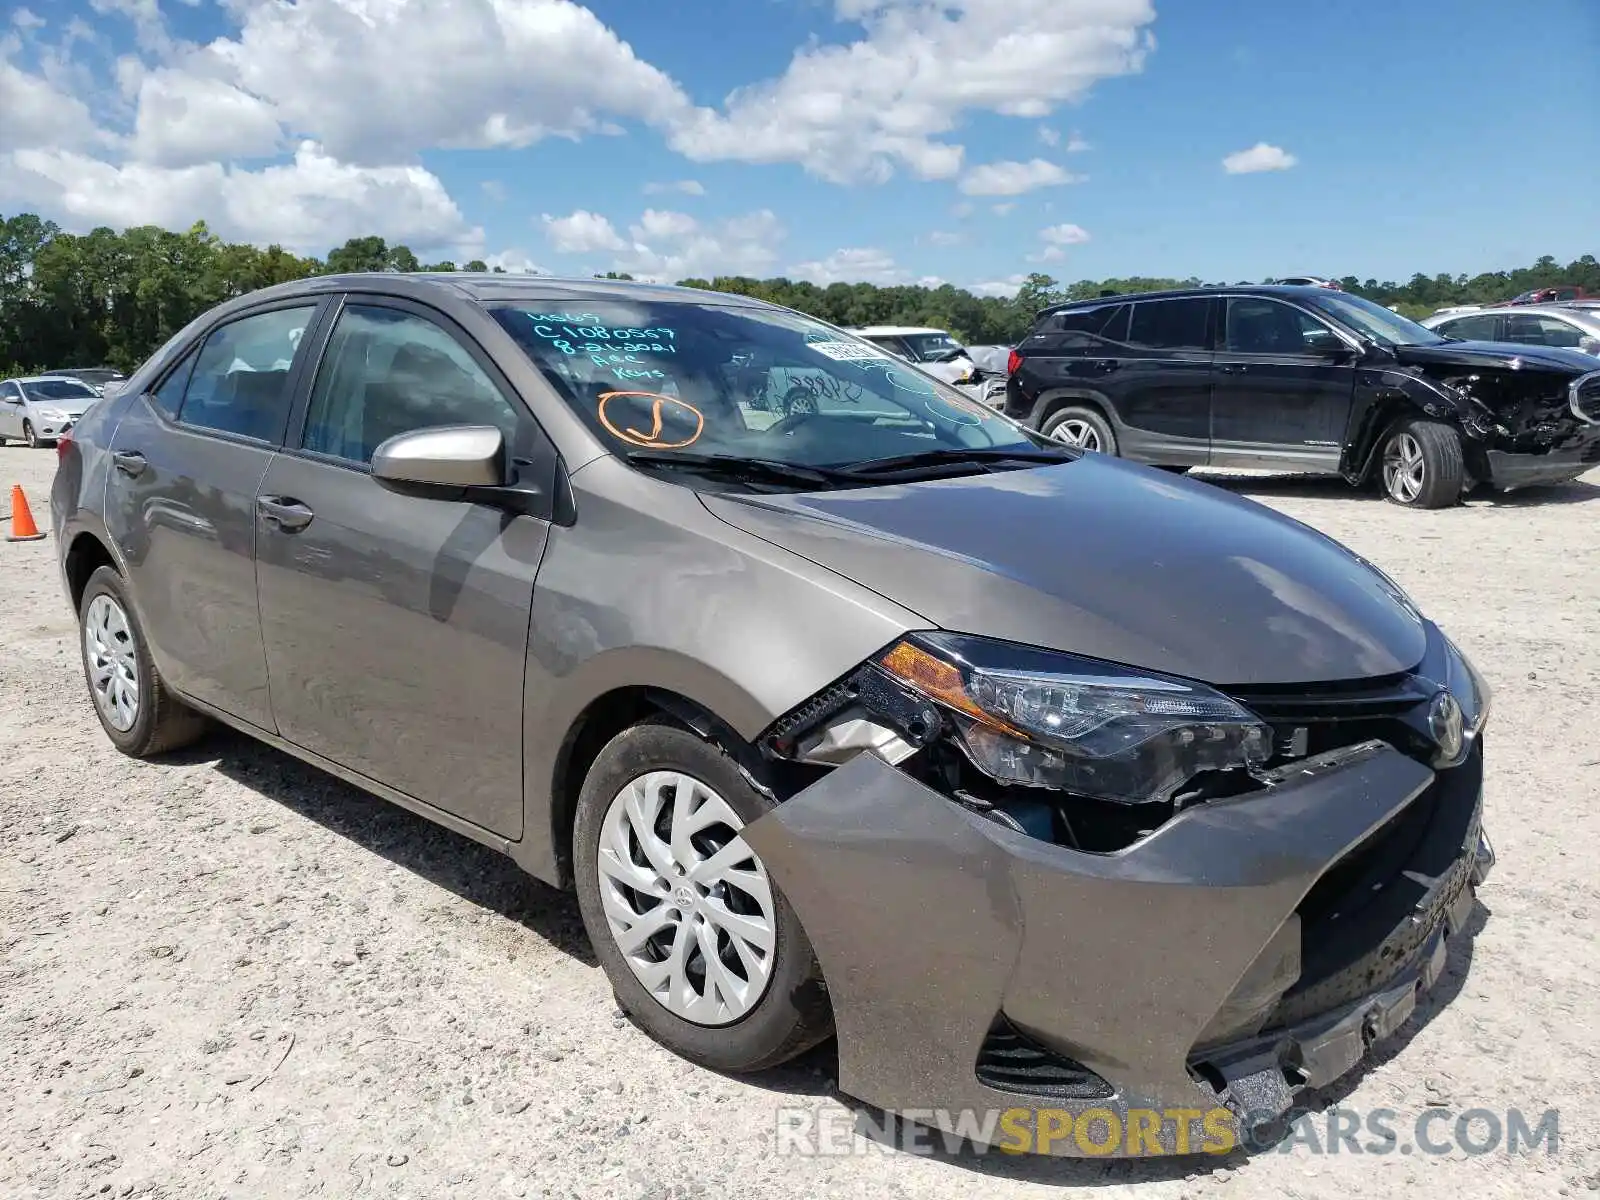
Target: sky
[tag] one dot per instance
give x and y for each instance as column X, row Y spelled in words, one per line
column 888, row 141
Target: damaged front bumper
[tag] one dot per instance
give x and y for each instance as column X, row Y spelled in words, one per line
column 974, row 970
column 1508, row 470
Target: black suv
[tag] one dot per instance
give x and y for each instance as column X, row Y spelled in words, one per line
column 1305, row 379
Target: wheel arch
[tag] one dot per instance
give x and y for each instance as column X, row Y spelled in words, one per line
column 1053, row 401
column 86, row 554
column 547, row 845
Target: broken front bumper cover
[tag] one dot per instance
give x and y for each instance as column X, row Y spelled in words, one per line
column 975, row 970
column 1507, row 470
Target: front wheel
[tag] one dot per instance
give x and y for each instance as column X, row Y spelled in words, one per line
column 1082, row 427
column 701, row 948
column 1423, row 466
column 29, row 436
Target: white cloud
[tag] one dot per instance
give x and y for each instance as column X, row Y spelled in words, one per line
column 26, row 19
column 863, row 264
column 184, row 119
column 669, row 246
column 37, row 111
column 1064, row 235
column 581, row 232
column 495, row 190
column 513, row 261
column 1260, row 157
column 378, row 80
column 944, row 237
column 1007, row 287
column 860, row 111
column 1014, row 178
column 1056, row 239
column 308, row 204
column 1049, row 136
column 657, row 226
column 1004, row 210
column 685, row 187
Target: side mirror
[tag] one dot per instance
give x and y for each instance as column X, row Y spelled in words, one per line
column 451, row 456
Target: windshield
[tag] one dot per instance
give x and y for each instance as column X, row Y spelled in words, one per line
column 1374, row 320
column 932, row 347
column 752, row 383
column 59, row 389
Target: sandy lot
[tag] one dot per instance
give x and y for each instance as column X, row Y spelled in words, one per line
column 227, row 974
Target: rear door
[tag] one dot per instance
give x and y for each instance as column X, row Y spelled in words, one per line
column 180, row 503
column 396, row 626
column 1282, row 388
column 1159, row 383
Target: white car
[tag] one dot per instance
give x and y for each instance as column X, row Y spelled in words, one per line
column 938, row 354
column 1527, row 324
column 38, row 409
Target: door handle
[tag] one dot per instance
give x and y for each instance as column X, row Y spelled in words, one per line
column 129, row 462
column 288, row 515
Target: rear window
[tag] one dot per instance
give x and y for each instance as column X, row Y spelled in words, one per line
column 1171, row 324
column 1076, row 330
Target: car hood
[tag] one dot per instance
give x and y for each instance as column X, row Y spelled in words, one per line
column 1104, row 558
column 73, row 406
column 1502, row 355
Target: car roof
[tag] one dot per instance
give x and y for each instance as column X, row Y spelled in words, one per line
column 488, row 287
column 1288, row 291
column 46, row 377
column 896, row 330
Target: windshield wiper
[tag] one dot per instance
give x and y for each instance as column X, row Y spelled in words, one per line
column 732, row 466
column 958, row 456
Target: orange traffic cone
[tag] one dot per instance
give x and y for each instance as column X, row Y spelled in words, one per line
column 22, row 527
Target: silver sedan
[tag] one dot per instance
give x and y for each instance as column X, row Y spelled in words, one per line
column 38, row 409
column 1526, row 324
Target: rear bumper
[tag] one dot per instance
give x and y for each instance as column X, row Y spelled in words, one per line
column 1508, row 470
column 975, row 971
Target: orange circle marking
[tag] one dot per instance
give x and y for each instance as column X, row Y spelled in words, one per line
column 653, row 439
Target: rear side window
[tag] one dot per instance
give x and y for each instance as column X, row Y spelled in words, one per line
column 388, row 372
column 1171, row 324
column 168, row 398
column 240, row 383
column 1082, row 330
column 1541, row 330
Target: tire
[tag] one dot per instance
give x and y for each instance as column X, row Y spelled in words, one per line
column 788, row 1012
column 29, row 436
column 160, row 722
column 1078, row 425
column 1421, row 465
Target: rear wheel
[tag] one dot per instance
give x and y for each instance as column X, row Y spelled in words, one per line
column 1080, row 426
column 701, row 948
column 1423, row 465
column 135, row 709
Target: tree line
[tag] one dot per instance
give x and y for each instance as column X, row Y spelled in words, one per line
column 112, row 298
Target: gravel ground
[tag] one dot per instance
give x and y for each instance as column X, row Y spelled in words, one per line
column 227, row 974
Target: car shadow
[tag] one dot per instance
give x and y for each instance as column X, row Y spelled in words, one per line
column 1331, row 487
column 472, row 871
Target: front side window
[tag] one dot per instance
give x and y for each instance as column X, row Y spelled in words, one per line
column 240, row 382
column 1480, row 328
column 1170, row 324
column 747, row 382
column 1541, row 331
column 1258, row 326
column 388, row 372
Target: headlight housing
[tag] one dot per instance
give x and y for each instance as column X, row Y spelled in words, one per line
column 1042, row 719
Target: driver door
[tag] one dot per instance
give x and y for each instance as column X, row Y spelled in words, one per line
column 396, row 626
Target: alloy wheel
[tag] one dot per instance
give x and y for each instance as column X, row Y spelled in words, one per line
column 1077, row 432
column 1403, row 468
column 111, row 651
column 29, row 436
column 688, row 903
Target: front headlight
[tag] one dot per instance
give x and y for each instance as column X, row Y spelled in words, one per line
column 1041, row 719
